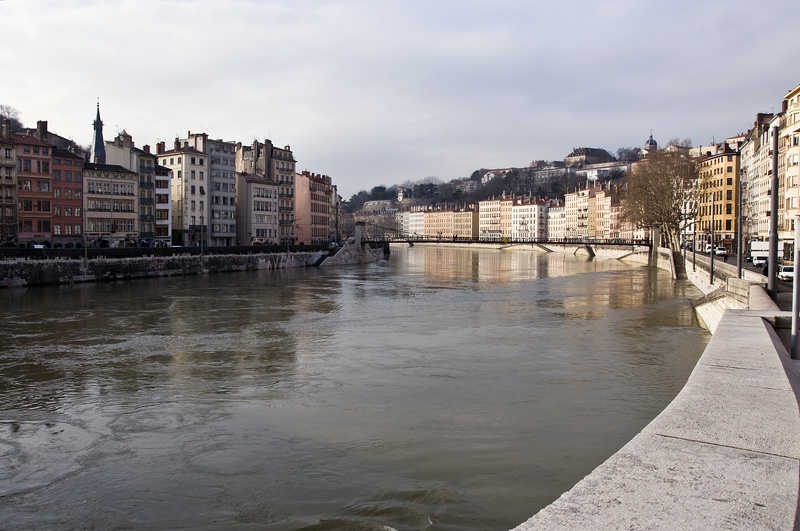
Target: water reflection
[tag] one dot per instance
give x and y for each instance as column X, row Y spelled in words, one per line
column 445, row 389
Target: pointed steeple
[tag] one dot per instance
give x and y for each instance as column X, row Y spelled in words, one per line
column 98, row 145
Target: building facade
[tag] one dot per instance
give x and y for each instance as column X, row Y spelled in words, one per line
column 189, row 191
column 313, row 208
column 8, row 186
column 67, row 198
column 111, row 195
column 34, row 190
column 718, row 197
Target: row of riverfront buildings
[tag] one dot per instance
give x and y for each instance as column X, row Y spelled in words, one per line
column 198, row 191
column 732, row 193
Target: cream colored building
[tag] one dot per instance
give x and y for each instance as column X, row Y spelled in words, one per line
column 439, row 225
column 110, row 195
column 465, row 225
column 789, row 164
column 556, row 223
column 489, row 220
column 576, row 209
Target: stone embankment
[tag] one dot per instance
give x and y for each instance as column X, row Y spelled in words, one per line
column 32, row 272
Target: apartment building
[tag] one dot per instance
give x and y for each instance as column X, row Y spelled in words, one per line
column 189, row 191
column 556, row 223
column 67, row 198
column 163, row 205
column 277, row 165
column 122, row 152
column 312, row 205
column 756, row 176
column 489, row 220
column 8, row 185
column 576, row 210
column 529, row 220
column 439, row 225
column 718, row 197
column 257, row 200
column 416, row 224
column 789, row 163
column 34, row 190
column 222, row 187
column 465, row 225
column 111, row 196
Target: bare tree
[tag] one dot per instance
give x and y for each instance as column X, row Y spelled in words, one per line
column 658, row 191
column 12, row 114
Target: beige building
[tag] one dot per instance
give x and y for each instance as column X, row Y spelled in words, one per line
column 789, row 164
column 439, row 225
column 111, row 199
column 465, row 225
column 313, row 208
column 718, row 198
column 576, row 209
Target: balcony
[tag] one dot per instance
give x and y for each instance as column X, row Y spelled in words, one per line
column 285, row 209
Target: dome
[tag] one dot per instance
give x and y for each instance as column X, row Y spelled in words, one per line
column 650, row 144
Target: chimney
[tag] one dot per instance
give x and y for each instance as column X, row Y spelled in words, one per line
column 6, row 128
column 41, row 130
column 146, row 148
column 160, row 147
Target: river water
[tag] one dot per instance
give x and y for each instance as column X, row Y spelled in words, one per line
column 443, row 389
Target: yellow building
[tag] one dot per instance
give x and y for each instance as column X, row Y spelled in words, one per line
column 718, row 198
column 465, row 225
column 789, row 164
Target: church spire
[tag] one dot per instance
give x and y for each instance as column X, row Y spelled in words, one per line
column 98, row 145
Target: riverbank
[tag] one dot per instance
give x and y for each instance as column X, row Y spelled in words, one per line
column 26, row 271
column 725, row 454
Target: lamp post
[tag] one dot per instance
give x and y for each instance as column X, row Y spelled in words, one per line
column 739, row 218
column 713, row 196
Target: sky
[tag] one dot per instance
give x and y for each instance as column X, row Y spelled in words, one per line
column 381, row 92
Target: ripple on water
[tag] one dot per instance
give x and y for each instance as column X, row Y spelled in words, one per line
column 35, row 454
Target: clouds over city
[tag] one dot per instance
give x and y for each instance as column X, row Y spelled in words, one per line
column 380, row 92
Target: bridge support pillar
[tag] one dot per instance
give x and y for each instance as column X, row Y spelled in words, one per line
column 655, row 243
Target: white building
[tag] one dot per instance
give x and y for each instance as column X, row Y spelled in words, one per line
column 190, row 185
column 416, row 224
column 529, row 220
column 556, row 223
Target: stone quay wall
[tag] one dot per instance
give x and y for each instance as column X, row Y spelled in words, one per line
column 30, row 272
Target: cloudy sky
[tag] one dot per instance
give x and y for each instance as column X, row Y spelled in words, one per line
column 377, row 92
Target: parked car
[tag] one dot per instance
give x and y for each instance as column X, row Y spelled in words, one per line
column 786, row 272
column 720, row 251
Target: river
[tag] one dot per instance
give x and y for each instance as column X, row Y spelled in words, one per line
column 443, row 389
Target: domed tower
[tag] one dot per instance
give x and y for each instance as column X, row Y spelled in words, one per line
column 651, row 144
